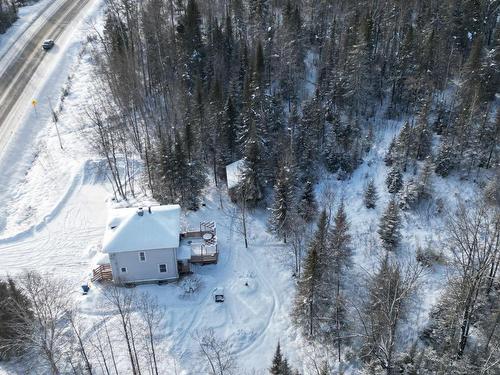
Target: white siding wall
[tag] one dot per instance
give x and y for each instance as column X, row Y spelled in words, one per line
column 148, row 270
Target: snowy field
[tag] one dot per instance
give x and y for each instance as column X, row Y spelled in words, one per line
column 54, row 208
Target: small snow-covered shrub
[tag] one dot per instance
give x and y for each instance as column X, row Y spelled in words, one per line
column 439, row 206
column 429, row 257
column 190, row 285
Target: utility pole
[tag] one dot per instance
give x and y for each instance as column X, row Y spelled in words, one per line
column 55, row 119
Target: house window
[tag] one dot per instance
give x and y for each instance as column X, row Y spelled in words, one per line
column 142, row 256
column 163, row 268
column 123, row 269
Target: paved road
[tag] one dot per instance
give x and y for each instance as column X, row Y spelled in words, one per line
column 15, row 73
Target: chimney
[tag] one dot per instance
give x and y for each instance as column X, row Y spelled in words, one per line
column 140, row 211
column 149, row 209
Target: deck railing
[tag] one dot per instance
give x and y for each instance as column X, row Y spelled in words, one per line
column 102, row 273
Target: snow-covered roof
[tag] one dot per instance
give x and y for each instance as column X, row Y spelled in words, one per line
column 234, row 173
column 157, row 228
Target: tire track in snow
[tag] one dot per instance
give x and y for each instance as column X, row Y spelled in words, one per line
column 77, row 180
column 275, row 298
column 194, row 321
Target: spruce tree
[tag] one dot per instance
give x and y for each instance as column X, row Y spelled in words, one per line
column 404, row 145
column 277, row 365
column 312, row 291
column 425, row 179
column 339, row 243
column 394, row 180
column 445, row 159
column 281, row 213
column 252, row 184
column 280, row 364
column 422, row 142
column 390, row 156
column 370, row 195
column 388, row 229
column 307, row 206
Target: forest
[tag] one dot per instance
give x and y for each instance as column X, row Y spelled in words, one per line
column 8, row 14
column 296, row 89
column 192, row 86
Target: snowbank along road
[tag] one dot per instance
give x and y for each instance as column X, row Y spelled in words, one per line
column 19, row 63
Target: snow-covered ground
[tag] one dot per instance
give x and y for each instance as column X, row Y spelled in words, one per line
column 54, row 208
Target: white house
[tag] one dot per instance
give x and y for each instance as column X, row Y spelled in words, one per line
column 146, row 245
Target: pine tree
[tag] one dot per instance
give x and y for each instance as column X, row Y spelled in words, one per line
column 394, row 180
column 280, row 220
column 370, row 195
column 389, row 226
column 307, row 206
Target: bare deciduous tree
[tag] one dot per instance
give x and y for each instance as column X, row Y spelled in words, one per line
column 389, row 291
column 474, row 240
column 217, row 353
column 122, row 301
column 50, row 302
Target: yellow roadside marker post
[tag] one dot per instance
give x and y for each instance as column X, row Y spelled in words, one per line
column 34, row 102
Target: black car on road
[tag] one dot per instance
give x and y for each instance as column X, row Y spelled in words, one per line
column 48, row 44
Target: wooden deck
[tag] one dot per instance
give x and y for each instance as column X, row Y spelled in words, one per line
column 102, row 273
column 205, row 259
column 203, row 250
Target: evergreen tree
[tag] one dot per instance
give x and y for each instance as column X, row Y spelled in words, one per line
column 422, row 142
column 307, row 206
column 311, row 295
column 404, row 145
column 425, row 179
column 409, row 195
column 445, row 159
column 339, row 241
column 229, row 131
column 394, row 180
column 370, row 195
column 277, row 366
column 252, row 184
column 280, row 220
column 280, row 364
column 390, row 156
column 192, row 42
column 388, row 229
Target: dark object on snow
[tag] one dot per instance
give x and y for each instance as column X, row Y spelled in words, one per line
column 85, row 289
column 219, row 295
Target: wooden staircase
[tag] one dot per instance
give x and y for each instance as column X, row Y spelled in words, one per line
column 102, row 273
